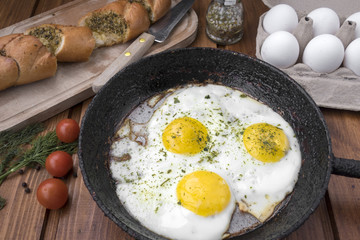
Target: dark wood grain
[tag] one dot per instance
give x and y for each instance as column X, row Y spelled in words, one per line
column 15, row 11
column 337, row 217
column 344, row 193
column 45, row 5
column 201, row 40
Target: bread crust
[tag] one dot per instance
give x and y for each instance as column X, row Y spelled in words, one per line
column 9, row 72
column 134, row 14
column 6, row 39
column 117, row 7
column 137, row 19
column 35, row 62
column 76, row 43
column 158, row 8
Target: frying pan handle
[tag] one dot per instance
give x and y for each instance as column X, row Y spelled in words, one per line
column 346, row 167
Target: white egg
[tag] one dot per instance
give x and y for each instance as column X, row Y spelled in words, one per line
column 352, row 56
column 324, row 53
column 355, row 18
column 325, row 21
column 281, row 17
column 280, row 49
column 148, row 174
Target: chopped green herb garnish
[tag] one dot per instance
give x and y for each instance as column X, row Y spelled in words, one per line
column 165, row 182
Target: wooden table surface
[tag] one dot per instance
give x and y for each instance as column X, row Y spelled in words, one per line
column 337, row 217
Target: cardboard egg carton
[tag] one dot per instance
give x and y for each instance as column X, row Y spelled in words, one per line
column 339, row 89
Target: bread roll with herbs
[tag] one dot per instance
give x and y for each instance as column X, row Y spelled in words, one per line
column 67, row 43
column 32, row 60
column 156, row 8
column 116, row 22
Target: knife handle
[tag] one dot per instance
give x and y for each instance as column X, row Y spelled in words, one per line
column 134, row 52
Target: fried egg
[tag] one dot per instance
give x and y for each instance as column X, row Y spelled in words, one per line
column 205, row 150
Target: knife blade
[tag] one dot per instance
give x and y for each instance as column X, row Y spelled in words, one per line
column 158, row 32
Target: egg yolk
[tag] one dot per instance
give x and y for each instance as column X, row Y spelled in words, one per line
column 185, row 136
column 204, row 193
column 265, row 142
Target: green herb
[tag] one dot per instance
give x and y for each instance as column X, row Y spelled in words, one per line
column 164, row 182
column 2, row 203
column 25, row 148
column 10, row 142
column 40, row 148
column 52, row 36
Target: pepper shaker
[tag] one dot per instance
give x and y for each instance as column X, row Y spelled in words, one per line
column 224, row 21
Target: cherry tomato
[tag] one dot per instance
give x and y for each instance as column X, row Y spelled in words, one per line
column 58, row 163
column 52, row 193
column 67, row 130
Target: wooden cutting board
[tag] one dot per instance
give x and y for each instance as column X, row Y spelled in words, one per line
column 71, row 85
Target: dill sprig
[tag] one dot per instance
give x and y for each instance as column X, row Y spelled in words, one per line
column 12, row 142
column 26, row 147
column 2, row 203
column 12, row 139
column 40, row 148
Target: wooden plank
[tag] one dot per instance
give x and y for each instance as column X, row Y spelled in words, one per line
column 38, row 101
column 9, row 17
column 202, row 40
column 23, row 216
column 45, row 5
column 317, row 226
column 52, row 219
column 344, row 193
column 81, row 218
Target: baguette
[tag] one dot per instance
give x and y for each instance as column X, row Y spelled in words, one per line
column 67, row 43
column 116, row 22
column 33, row 61
column 156, row 8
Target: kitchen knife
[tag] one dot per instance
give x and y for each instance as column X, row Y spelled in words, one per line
column 158, row 32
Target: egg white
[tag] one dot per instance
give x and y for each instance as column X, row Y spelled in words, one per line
column 146, row 183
